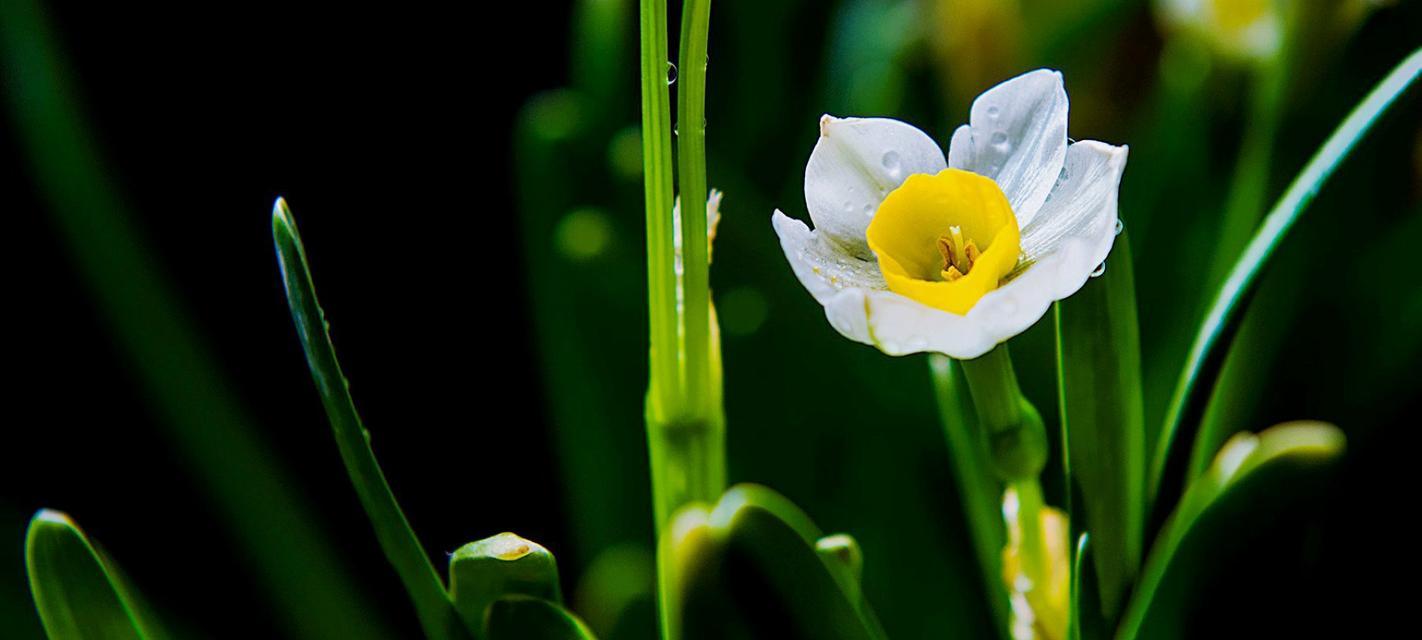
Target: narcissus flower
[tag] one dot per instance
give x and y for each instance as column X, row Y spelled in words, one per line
column 912, row 253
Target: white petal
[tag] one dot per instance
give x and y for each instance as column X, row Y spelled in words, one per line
column 1079, row 220
column 1073, row 234
column 857, row 162
column 1017, row 137
column 823, row 267
column 1070, row 238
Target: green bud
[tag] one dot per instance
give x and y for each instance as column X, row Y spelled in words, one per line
column 493, row 568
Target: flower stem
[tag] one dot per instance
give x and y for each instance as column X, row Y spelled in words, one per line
column 657, row 185
column 1017, row 438
column 691, row 158
column 981, row 492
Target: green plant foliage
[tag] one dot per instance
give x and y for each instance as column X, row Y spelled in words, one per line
column 486, row 570
column 1252, row 479
column 527, row 618
column 79, row 593
column 1103, row 421
column 754, row 569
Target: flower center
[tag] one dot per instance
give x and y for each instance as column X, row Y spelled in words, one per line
column 945, row 240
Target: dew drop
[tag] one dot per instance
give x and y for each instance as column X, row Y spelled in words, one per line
column 1120, row 226
column 1000, row 143
column 671, row 73
column 891, row 161
column 868, row 209
column 1100, row 269
column 993, row 112
column 848, row 206
column 1063, row 176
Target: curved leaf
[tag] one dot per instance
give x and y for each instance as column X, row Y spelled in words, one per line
column 79, row 594
column 397, row 539
column 529, row 618
column 1249, row 479
column 1204, row 359
column 750, row 569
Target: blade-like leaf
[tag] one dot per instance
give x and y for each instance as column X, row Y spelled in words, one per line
column 1204, row 360
column 1250, row 479
column 529, row 618
column 754, row 562
column 978, row 488
column 397, row 539
column 503, row 565
column 1085, row 622
column 1102, row 413
column 79, row 594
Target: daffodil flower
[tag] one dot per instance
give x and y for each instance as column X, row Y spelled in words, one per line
column 911, row 253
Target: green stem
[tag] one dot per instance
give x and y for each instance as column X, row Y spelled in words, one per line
column 1016, row 436
column 980, row 490
column 691, row 158
column 657, row 184
column 402, row 548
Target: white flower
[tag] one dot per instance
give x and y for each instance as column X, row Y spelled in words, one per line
column 894, row 224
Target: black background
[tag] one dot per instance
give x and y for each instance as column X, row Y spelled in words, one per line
column 368, row 121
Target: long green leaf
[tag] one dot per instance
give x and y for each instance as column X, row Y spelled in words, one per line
column 397, row 539
column 527, row 618
column 293, row 561
column 79, row 594
column 1103, row 421
column 753, row 571
column 1204, row 359
column 1251, row 478
column 978, row 488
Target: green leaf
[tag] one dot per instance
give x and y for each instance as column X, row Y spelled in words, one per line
column 397, row 539
column 1085, row 621
column 1103, row 421
column 499, row 566
column 1248, row 482
column 1204, row 360
column 978, row 488
column 750, row 569
column 79, row 593
column 529, row 618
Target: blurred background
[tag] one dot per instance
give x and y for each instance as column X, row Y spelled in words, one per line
column 468, row 187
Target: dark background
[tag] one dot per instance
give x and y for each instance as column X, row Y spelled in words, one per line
column 361, row 119
column 401, row 138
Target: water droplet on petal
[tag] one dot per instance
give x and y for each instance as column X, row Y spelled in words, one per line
column 1063, row 176
column 1100, row 269
column 869, row 210
column 1120, row 226
column 891, row 162
column 993, row 112
column 848, row 206
column 671, row 73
